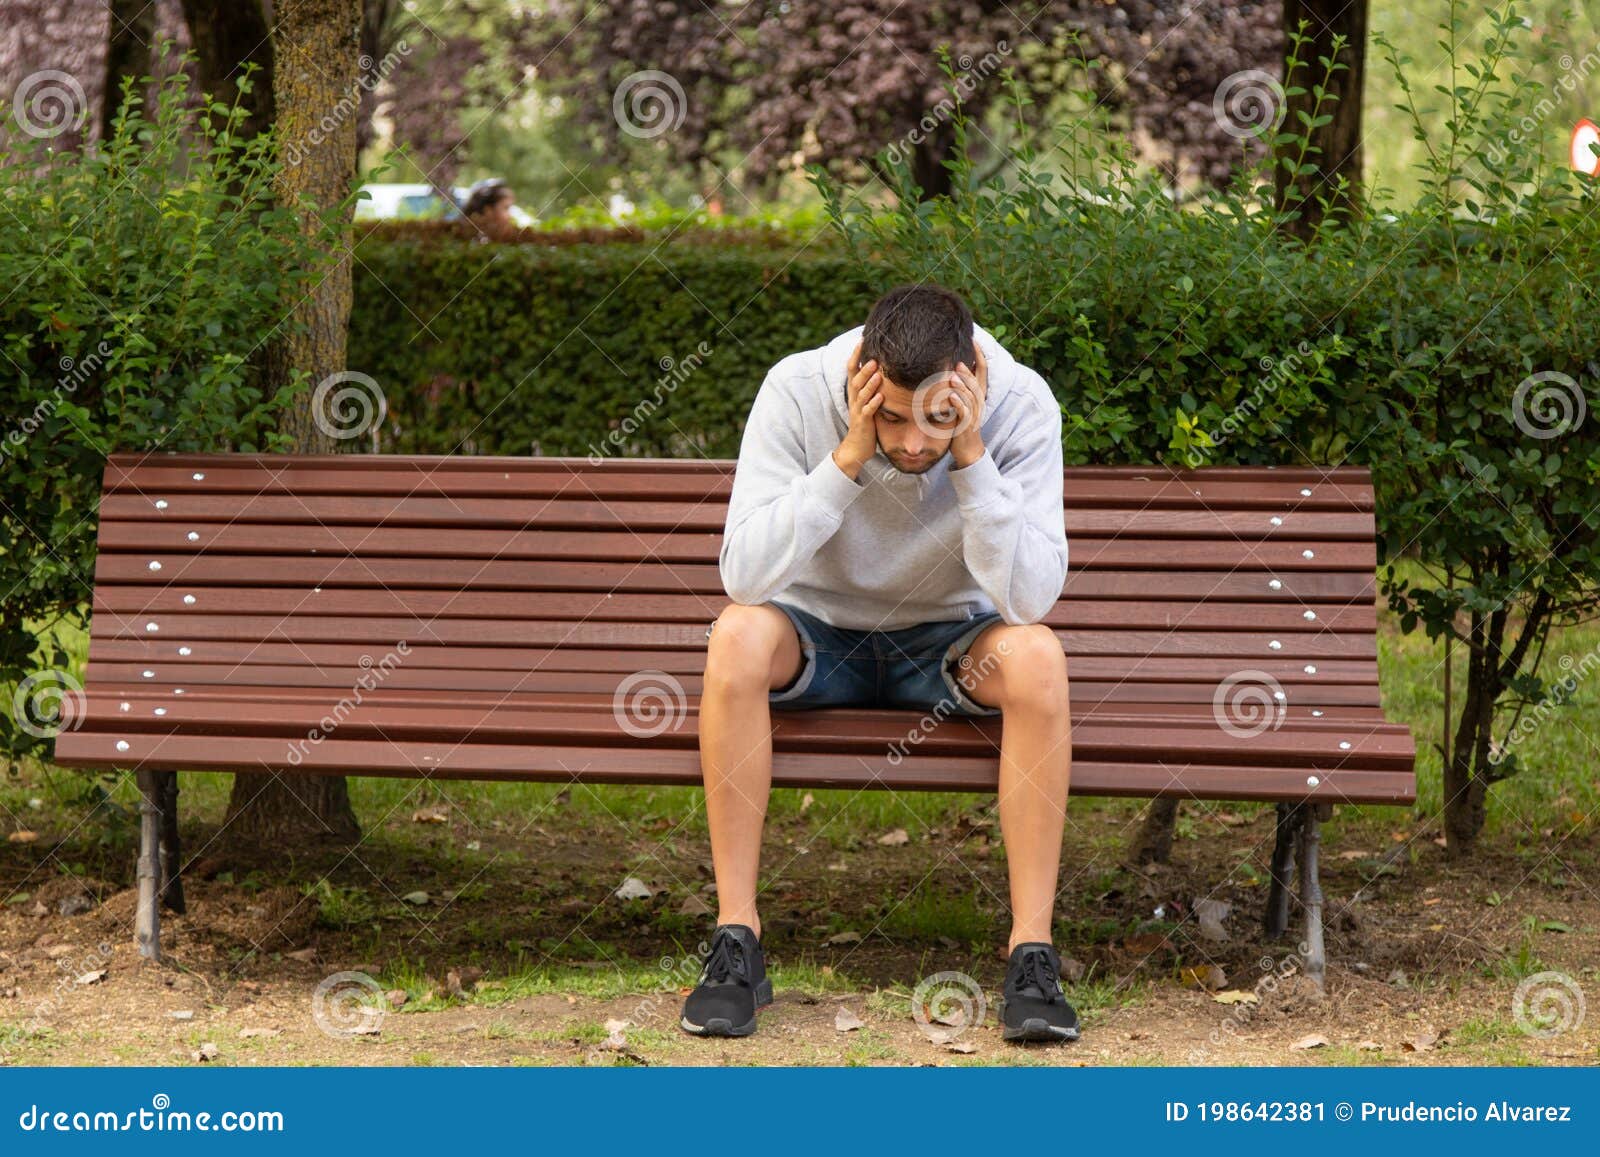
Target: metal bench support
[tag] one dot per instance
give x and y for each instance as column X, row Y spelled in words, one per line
column 1299, row 838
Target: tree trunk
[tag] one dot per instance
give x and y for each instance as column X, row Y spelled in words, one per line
column 315, row 89
column 133, row 26
column 1335, row 148
column 227, row 36
column 928, row 162
column 1153, row 844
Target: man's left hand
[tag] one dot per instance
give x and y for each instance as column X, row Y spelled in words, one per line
column 968, row 390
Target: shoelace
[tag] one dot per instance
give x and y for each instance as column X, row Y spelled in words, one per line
column 1039, row 972
column 726, row 961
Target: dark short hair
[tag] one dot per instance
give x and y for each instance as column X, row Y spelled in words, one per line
column 485, row 195
column 917, row 331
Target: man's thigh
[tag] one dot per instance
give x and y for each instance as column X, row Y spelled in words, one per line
column 1007, row 655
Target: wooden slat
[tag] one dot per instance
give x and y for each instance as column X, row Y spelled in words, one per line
column 200, row 512
column 572, row 764
column 210, row 569
column 672, row 608
column 685, row 546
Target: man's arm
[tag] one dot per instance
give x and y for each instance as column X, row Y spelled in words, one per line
column 1013, row 528
column 780, row 513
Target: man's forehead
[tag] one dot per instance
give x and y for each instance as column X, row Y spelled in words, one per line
column 932, row 397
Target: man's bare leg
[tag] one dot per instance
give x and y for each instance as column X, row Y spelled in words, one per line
column 1022, row 671
column 752, row 651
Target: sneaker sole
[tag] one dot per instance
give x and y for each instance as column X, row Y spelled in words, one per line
column 1036, row 1029
column 717, row 1026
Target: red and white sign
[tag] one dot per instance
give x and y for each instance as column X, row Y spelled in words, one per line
column 1584, row 135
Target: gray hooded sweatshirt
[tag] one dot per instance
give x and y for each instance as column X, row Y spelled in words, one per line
column 889, row 550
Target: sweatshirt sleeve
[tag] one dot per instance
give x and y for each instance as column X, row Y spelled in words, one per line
column 781, row 511
column 1013, row 526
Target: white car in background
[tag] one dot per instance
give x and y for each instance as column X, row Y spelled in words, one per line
column 402, row 202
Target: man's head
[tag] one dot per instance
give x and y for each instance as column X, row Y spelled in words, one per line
column 917, row 334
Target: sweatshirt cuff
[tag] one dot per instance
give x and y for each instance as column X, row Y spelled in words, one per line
column 831, row 487
column 978, row 484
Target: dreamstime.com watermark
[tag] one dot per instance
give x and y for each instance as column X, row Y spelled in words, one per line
column 1527, row 134
column 649, row 703
column 967, row 677
column 374, row 674
column 1548, row 1004
column 48, row 103
column 1248, row 703
column 947, row 1004
column 349, row 405
column 674, row 372
column 47, row 703
column 348, row 103
column 1275, row 374
column 1557, row 695
column 74, row 372
column 349, row 1004
column 1548, row 404
column 1274, row 973
column 971, row 74
column 649, row 103
column 678, row 973
column 1249, row 104
column 160, row 1117
column 75, row 973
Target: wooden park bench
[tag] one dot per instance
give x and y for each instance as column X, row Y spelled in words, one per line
column 546, row 619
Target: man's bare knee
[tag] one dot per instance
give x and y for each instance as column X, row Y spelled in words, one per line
column 752, row 648
column 1033, row 668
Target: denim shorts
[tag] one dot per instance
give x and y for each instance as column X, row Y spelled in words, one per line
column 913, row 668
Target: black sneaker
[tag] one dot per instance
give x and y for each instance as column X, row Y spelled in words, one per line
column 1033, row 1007
column 733, row 986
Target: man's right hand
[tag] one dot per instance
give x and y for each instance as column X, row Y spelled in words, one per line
column 864, row 390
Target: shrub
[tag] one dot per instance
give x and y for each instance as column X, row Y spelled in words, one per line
column 589, row 346
column 141, row 279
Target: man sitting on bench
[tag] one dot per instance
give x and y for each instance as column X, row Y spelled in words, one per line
column 894, row 536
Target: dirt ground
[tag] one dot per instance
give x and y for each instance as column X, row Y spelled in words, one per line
column 520, row 953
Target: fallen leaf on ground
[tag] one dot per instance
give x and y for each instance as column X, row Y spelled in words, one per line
column 1236, row 996
column 94, row 977
column 434, row 815
column 182, row 1014
column 1315, row 1041
column 847, row 1021
column 305, row 955
column 806, row 801
column 252, row 1033
column 1355, row 854
column 417, row 898
column 206, row 1052
column 959, row 1046
column 1421, row 1042
column 895, row 838
column 843, row 938
column 396, row 997
column 22, row 837
column 633, row 888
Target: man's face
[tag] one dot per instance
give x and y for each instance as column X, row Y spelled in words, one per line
column 915, row 425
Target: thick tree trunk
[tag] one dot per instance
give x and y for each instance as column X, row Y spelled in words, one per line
column 316, row 90
column 1336, row 146
column 228, row 35
column 132, row 28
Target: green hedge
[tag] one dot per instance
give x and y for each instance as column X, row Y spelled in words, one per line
column 635, row 346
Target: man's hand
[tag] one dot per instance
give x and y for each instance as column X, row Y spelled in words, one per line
column 968, row 391
column 864, row 389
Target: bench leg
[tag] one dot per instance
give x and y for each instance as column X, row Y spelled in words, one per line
column 1282, row 870
column 147, row 914
column 171, row 882
column 1316, row 958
